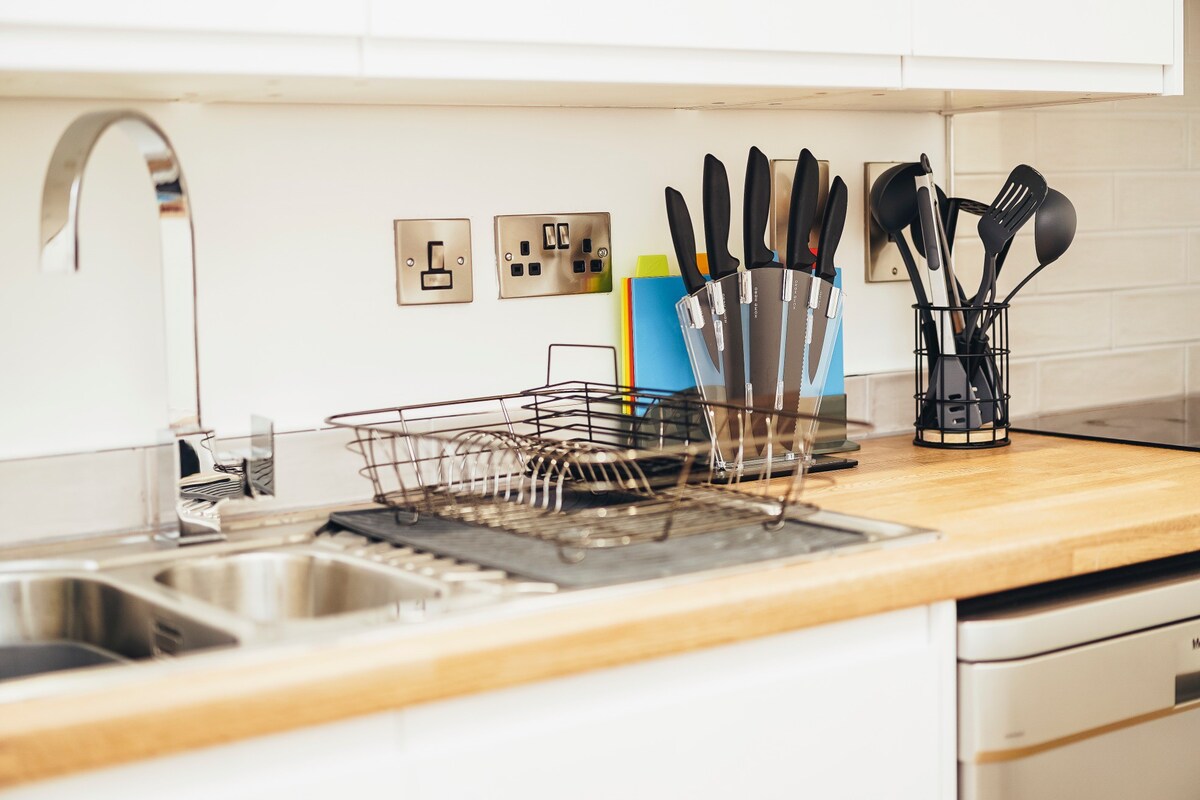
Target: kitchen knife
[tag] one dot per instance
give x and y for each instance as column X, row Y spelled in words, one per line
column 756, row 210
column 727, row 308
column 798, row 319
column 684, row 239
column 802, row 211
column 700, row 309
column 767, row 310
column 824, row 297
column 716, row 219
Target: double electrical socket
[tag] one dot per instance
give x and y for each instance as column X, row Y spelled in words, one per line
column 547, row 254
column 536, row 255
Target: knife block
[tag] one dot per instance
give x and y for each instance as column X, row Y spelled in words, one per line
column 768, row 339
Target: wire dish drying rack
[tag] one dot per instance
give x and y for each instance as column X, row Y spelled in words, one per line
column 586, row 464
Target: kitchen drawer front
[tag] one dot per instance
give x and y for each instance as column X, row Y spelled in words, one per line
column 862, row 708
column 1047, row 30
column 869, row 27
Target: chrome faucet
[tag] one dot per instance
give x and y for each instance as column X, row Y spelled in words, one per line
column 197, row 491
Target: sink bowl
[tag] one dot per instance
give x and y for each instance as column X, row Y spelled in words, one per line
column 54, row 622
column 280, row 586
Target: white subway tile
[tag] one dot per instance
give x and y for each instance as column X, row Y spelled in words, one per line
column 858, row 397
column 1156, row 316
column 1193, row 257
column 1194, row 148
column 1111, row 142
column 1157, row 200
column 1118, row 261
column 1060, row 324
column 1098, row 379
column 72, row 495
column 993, row 141
column 1193, row 369
column 1022, row 386
column 1091, row 194
column 892, row 405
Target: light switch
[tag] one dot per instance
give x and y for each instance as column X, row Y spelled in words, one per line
column 549, row 241
column 433, row 261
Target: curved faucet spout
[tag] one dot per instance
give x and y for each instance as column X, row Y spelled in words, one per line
column 60, row 239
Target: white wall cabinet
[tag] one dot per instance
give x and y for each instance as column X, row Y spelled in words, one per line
column 308, row 17
column 879, row 27
column 857, row 709
column 756, row 53
column 1046, row 30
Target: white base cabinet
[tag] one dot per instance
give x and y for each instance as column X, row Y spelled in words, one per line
column 857, row 709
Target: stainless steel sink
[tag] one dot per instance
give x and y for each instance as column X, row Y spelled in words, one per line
column 53, row 622
column 271, row 587
column 131, row 598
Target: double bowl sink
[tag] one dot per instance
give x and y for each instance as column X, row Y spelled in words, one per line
column 160, row 603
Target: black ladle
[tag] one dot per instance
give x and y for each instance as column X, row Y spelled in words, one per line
column 1053, row 232
column 894, row 207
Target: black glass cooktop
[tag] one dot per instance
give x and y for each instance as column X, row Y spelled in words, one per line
column 1173, row 422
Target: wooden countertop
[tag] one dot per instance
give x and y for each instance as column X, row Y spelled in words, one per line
column 1044, row 508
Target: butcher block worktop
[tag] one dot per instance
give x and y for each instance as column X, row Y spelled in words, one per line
column 1044, row 508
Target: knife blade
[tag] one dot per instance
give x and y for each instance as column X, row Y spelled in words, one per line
column 756, row 211
column 824, row 297
column 802, row 211
column 716, row 219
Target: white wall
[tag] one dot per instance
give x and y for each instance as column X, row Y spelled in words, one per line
column 293, row 208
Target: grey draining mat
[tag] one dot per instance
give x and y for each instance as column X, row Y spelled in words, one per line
column 541, row 560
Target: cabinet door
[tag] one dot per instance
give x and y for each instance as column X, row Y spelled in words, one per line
column 800, row 26
column 1140, row 32
column 354, row 759
column 861, row 709
column 311, row 17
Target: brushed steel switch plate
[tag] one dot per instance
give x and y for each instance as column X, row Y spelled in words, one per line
column 548, row 254
column 884, row 262
column 782, row 173
column 433, row 261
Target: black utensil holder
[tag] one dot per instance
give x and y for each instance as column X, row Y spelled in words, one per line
column 962, row 397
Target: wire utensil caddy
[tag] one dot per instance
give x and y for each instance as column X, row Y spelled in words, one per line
column 962, row 393
column 581, row 464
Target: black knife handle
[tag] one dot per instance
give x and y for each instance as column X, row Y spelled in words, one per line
column 756, row 210
column 716, row 219
column 802, row 211
column 831, row 229
column 684, row 239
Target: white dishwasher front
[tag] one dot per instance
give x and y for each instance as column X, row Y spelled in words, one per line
column 1088, row 687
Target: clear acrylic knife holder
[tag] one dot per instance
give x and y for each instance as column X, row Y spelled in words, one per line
column 762, row 339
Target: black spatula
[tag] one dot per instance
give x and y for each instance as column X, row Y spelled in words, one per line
column 1017, row 201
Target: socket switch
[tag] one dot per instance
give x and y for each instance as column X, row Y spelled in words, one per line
column 548, row 254
column 433, row 261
